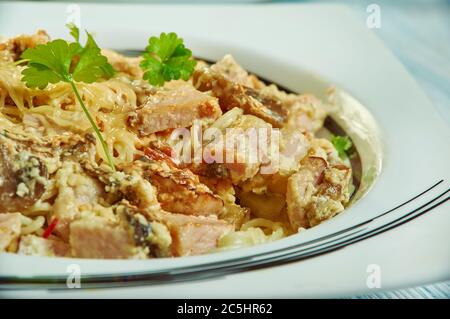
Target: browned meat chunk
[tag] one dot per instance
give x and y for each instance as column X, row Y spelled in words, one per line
column 175, row 107
column 332, row 194
column 77, row 192
column 23, row 177
column 228, row 67
column 306, row 112
column 215, row 176
column 227, row 82
column 193, row 235
column 179, row 190
column 242, row 157
column 316, row 192
column 235, row 88
column 97, row 238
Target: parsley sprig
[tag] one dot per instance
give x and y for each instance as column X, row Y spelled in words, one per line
column 62, row 61
column 166, row 59
column 342, row 144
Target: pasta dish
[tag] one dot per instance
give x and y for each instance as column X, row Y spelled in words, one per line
column 216, row 159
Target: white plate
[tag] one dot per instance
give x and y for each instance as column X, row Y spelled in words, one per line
column 284, row 43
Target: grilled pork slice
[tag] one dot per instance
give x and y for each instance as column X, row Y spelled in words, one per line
column 130, row 232
column 317, row 192
column 10, row 226
column 23, row 176
column 229, row 84
column 245, row 148
column 77, row 192
column 332, row 194
column 193, row 235
column 173, row 107
column 96, row 237
column 179, row 190
column 27, row 161
column 306, row 112
column 216, row 177
column 235, row 88
column 230, row 69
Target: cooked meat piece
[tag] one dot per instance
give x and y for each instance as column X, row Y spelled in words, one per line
column 294, row 146
column 215, row 176
column 142, row 89
column 245, row 148
column 317, row 192
column 37, row 246
column 301, row 188
column 179, row 190
column 96, row 237
column 188, row 197
column 226, row 84
column 332, row 194
column 10, row 226
column 23, row 177
column 321, row 147
column 316, row 166
column 244, row 151
column 158, row 152
column 306, row 113
column 146, row 233
column 230, row 69
column 125, row 183
column 121, row 63
column 173, row 108
column 12, row 49
column 193, row 235
column 77, row 192
column 235, row 88
column 28, row 161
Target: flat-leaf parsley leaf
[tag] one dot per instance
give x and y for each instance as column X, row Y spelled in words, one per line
column 342, row 144
column 166, row 59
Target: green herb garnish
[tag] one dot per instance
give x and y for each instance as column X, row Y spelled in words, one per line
column 166, row 59
column 342, row 144
column 62, row 61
